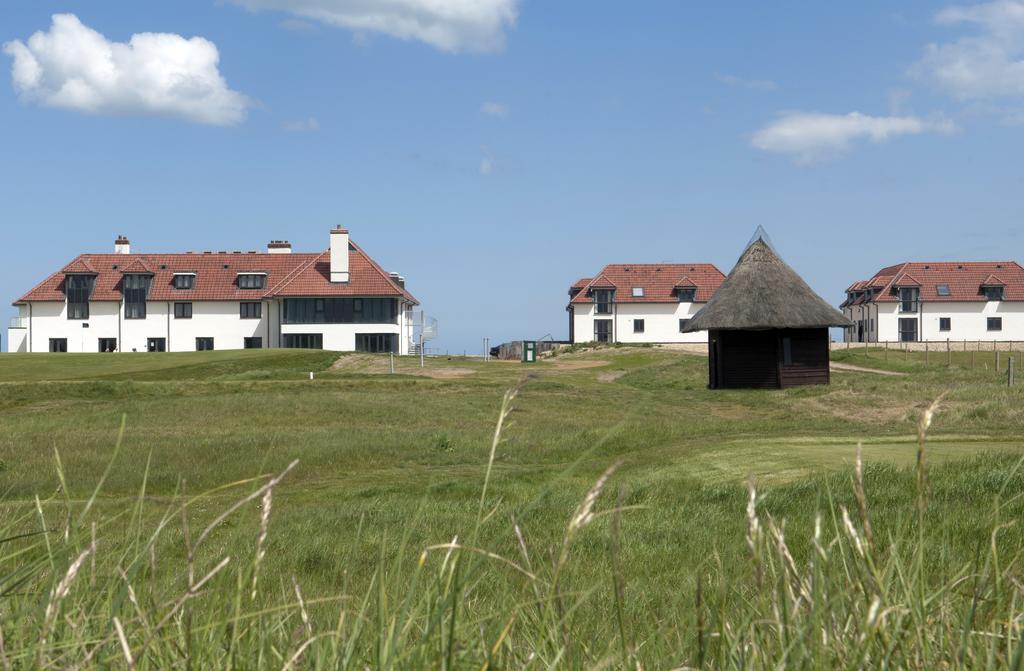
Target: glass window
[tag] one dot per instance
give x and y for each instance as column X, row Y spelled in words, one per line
column 204, row 344
column 945, row 323
column 108, row 344
column 58, row 344
column 156, row 345
column 250, row 310
column 252, row 281
column 340, row 311
column 184, row 281
column 995, row 323
column 682, row 324
column 253, row 343
column 908, row 330
column 78, row 289
column 638, row 326
column 638, row 292
column 135, row 290
column 304, row 340
column 993, row 293
column 942, row 289
column 603, row 330
column 603, row 298
column 686, row 295
column 183, row 311
column 909, row 299
column 376, row 342
column 787, row 351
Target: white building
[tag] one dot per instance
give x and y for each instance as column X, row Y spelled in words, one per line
column 338, row 299
column 641, row 302
column 958, row 301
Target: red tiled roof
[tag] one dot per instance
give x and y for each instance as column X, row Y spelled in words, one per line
column 299, row 274
column 659, row 281
column 685, row 282
column 580, row 283
column 78, row 266
column 964, row 279
column 137, row 266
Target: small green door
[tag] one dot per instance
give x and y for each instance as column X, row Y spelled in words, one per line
column 529, row 351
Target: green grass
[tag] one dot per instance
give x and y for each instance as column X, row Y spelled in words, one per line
column 391, row 464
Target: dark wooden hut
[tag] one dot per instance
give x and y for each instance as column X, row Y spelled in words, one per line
column 766, row 327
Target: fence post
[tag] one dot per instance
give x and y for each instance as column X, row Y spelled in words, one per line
column 1009, row 373
column 949, row 354
column 886, row 351
column 997, row 360
column 392, row 362
column 965, row 344
column 972, row 359
column 926, row 352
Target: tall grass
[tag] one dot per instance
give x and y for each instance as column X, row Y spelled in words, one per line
column 85, row 586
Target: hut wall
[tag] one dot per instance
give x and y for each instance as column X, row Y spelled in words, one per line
column 745, row 359
column 808, row 355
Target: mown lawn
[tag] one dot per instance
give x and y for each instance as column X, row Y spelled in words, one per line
column 390, row 464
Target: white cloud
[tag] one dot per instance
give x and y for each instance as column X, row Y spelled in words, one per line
column 811, row 136
column 752, row 84
column 494, row 109
column 449, row 25
column 487, row 164
column 309, row 125
column 74, row 67
column 989, row 64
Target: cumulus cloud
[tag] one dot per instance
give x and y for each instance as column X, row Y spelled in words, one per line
column 494, row 109
column 810, row 136
column 751, row 84
column 309, row 125
column 449, row 25
column 987, row 64
column 74, row 67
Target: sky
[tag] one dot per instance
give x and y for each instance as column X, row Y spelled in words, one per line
column 494, row 151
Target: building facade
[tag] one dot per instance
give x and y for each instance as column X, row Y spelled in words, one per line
column 338, row 299
column 956, row 301
column 641, row 302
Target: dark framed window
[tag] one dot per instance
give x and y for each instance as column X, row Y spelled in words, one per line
column 184, row 281
column 204, row 344
column 909, row 297
column 78, row 289
column 993, row 293
column 156, row 345
column 638, row 326
column 787, row 351
column 340, row 311
column 303, row 340
column 942, row 289
column 136, row 289
column 995, row 323
column 908, row 330
column 376, row 342
column 603, row 299
column 250, row 310
column 686, row 295
column 253, row 343
column 252, row 281
column 58, row 344
column 183, row 311
column 108, row 344
column 945, row 323
column 682, row 324
column 603, row 330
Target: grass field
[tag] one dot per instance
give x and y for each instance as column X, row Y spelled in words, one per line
column 391, row 464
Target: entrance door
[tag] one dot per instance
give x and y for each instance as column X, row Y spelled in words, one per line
column 603, row 330
column 156, row 345
column 908, row 329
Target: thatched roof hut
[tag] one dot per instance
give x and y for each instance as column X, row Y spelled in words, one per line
column 766, row 327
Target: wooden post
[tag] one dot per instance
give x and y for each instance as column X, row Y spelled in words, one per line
column 965, row 344
column 949, row 354
column 887, row 351
column 997, row 360
column 865, row 348
column 926, row 352
column 1009, row 373
column 392, row 363
column 972, row 359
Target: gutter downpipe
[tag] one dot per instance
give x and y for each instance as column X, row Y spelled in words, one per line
column 30, row 333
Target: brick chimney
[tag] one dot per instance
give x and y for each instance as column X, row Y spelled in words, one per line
column 122, row 246
column 279, row 247
column 339, row 254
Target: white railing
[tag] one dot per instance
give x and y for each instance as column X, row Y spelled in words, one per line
column 18, row 323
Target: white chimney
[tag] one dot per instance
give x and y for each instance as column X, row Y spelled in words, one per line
column 122, row 246
column 279, row 247
column 339, row 254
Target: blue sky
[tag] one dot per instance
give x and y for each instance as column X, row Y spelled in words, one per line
column 493, row 151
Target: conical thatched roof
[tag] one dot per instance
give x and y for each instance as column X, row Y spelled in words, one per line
column 762, row 293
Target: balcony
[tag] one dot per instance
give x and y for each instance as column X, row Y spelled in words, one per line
column 18, row 323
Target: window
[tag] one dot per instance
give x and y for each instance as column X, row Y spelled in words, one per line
column 638, row 292
column 78, row 289
column 250, row 310
column 993, row 293
column 909, row 298
column 304, row 340
column 375, row 342
column 252, row 281
column 908, row 330
column 184, row 281
column 183, row 311
column 638, row 326
column 156, row 345
column 253, row 343
column 204, row 344
column 340, row 311
column 945, row 323
column 787, row 351
column 108, row 344
column 686, row 295
column 58, row 344
column 603, row 330
column 942, row 289
column 136, row 288
column 682, row 324
column 995, row 323
column 603, row 300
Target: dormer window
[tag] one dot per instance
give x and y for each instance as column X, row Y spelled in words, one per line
column 252, row 281
column 993, row 293
column 942, row 289
column 638, row 292
column 686, row 294
column 78, row 288
column 135, row 290
column 603, row 300
column 184, row 281
column 909, row 297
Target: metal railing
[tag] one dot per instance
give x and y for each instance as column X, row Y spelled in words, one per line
column 18, row 323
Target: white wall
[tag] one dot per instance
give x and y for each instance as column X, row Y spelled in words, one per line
column 661, row 322
column 968, row 321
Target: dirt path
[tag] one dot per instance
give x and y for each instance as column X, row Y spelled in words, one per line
column 860, row 369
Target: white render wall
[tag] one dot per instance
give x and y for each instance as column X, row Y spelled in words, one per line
column 219, row 320
column 661, row 322
column 968, row 320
